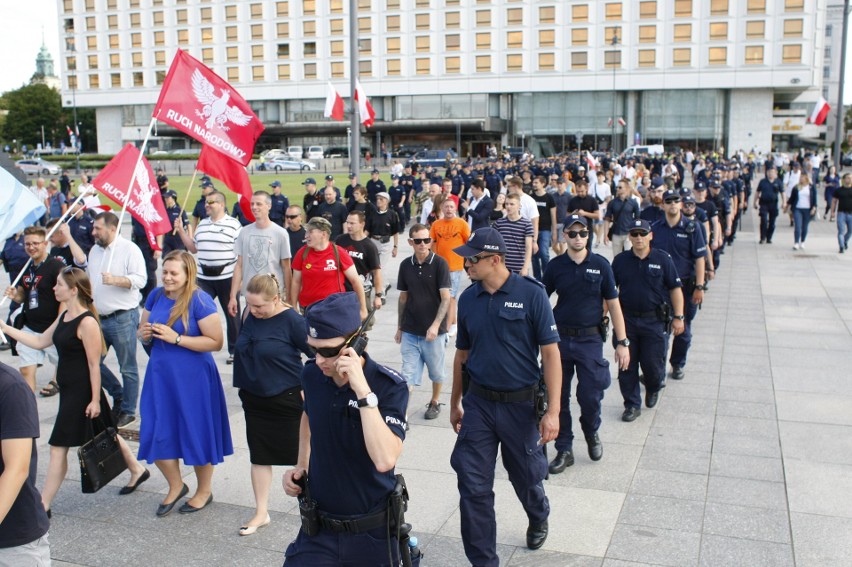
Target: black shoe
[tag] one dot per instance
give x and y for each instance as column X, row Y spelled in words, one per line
column 188, row 508
column 563, row 460
column 762, row 240
column 842, row 250
column 536, row 535
column 116, row 409
column 129, row 489
column 630, row 414
column 125, row 419
column 595, row 447
column 651, row 398
column 769, row 241
column 677, row 373
column 165, row 509
column 230, row 360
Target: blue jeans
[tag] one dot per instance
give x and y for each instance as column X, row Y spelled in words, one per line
column 417, row 352
column 542, row 257
column 801, row 220
column 120, row 333
column 844, row 229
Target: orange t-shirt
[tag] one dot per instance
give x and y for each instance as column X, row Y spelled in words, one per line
column 449, row 234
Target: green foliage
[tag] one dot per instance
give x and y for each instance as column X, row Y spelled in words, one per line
column 33, row 106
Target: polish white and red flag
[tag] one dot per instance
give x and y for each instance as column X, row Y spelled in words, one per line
column 820, row 112
column 368, row 115
column 333, row 104
column 232, row 174
column 590, row 161
column 622, row 121
column 145, row 204
column 201, row 104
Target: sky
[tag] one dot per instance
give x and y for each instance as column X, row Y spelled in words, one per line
column 22, row 23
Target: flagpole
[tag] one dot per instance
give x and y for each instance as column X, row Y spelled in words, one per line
column 130, row 186
column 186, row 197
column 355, row 124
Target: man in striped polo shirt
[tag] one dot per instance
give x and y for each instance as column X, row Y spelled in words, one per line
column 214, row 244
column 517, row 232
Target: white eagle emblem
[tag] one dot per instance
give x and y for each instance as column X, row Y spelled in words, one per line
column 144, row 207
column 216, row 109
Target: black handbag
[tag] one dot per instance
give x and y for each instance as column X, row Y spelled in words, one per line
column 100, row 459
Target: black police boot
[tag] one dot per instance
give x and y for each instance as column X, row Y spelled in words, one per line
column 630, row 414
column 677, row 373
column 563, row 460
column 595, row 447
column 651, row 398
column 536, row 535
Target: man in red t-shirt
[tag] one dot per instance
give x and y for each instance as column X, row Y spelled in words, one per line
column 319, row 268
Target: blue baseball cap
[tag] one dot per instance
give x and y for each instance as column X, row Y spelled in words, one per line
column 484, row 239
column 641, row 224
column 275, row 183
column 575, row 219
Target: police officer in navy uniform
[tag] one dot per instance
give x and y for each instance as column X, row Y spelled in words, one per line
column 504, row 320
column 654, row 211
column 375, row 186
column 766, row 198
column 583, row 280
column 81, row 225
column 684, row 240
column 280, row 203
column 173, row 241
column 350, row 439
column 649, row 291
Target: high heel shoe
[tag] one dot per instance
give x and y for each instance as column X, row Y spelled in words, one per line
column 249, row 530
column 165, row 509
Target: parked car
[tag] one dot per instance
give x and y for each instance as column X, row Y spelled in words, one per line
column 287, row 163
column 342, row 152
column 315, row 152
column 267, row 155
column 404, row 151
column 435, row 158
column 38, row 166
column 185, row 152
column 295, row 152
column 649, row 150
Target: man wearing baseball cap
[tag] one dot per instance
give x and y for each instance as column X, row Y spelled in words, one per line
column 312, row 199
column 173, row 241
column 504, row 320
column 375, row 186
column 280, row 203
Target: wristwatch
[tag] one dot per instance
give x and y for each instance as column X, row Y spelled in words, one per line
column 369, row 401
column 624, row 342
column 177, row 339
column 679, row 317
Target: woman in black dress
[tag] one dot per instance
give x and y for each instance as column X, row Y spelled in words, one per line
column 267, row 370
column 79, row 343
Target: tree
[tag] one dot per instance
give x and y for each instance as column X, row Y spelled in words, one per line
column 30, row 108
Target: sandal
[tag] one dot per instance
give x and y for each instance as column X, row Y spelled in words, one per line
column 51, row 389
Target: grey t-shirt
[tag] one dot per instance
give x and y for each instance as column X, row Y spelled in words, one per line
column 262, row 250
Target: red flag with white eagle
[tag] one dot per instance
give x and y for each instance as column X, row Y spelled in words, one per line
column 146, row 203
column 820, row 112
column 200, row 103
column 368, row 115
column 333, row 104
column 233, row 175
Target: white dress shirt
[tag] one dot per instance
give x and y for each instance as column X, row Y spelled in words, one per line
column 127, row 262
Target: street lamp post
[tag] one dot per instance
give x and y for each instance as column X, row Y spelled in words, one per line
column 72, row 82
column 612, row 119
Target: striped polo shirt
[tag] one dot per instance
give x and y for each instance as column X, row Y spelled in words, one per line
column 514, row 233
column 216, row 244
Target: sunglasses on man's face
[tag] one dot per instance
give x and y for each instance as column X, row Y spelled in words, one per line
column 576, row 233
column 478, row 259
column 670, row 201
column 293, row 216
column 638, row 233
column 421, row 240
column 330, row 352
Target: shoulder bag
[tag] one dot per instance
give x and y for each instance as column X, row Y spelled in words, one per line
column 100, row 459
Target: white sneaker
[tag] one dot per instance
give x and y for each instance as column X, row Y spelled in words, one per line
column 802, row 245
column 453, row 330
column 796, row 246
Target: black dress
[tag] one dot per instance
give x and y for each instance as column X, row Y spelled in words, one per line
column 75, row 389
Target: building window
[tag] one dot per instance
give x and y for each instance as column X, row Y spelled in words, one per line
column 232, row 54
column 135, row 19
column 483, row 40
column 718, row 56
column 283, row 51
column 136, row 38
column 613, row 32
column 284, row 72
column 309, row 7
column 791, row 54
column 92, row 43
column 365, row 25
column 483, row 63
column 71, row 63
column 365, row 46
column 452, row 19
column 365, row 68
column 136, row 58
column 794, row 5
column 90, row 5
column 422, row 3
column 647, row 10
column 114, row 60
column 392, row 45
column 452, row 42
column 233, row 74
column 390, row 4
column 647, row 57
column 206, row 56
column 718, row 7
column 580, row 13
column 580, row 60
column 421, row 21
column 756, row 7
column 335, row 27
column 309, row 49
column 336, row 48
column 310, row 70
column 754, row 55
column 755, row 29
column 483, row 18
column 793, row 28
column 257, row 53
column 647, row 34
column 94, row 81
column 257, row 31
column 159, row 38
column 515, row 39
column 546, row 38
column 113, row 41
column 579, row 36
column 115, row 79
column 156, row 17
column 159, row 58
column 682, row 33
column 392, row 23
column 546, row 62
column 283, row 29
column 282, row 9
column 682, row 57
column 393, row 67
column 422, row 64
column 309, row 28
column 828, row 29
column 336, row 6
column 68, row 6
column 231, row 12
column 514, row 63
column 160, row 77
column 206, row 36
column 718, row 31
column 547, row 15
column 515, row 17
column 257, row 74
column 452, row 65
column 683, row 9
column 612, row 59
column 92, row 61
column 112, row 22
column 181, row 16
column 337, row 69
column 90, row 24
column 612, row 11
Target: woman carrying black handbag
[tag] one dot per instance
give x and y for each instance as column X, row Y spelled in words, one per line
column 79, row 343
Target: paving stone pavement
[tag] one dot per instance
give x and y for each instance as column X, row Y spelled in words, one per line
column 748, row 461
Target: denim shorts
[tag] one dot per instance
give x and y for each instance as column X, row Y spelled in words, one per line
column 455, row 282
column 31, row 357
column 417, row 352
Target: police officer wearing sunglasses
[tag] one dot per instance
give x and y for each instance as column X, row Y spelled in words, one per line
column 684, row 240
column 649, row 291
column 583, row 281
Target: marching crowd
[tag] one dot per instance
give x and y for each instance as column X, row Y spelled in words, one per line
column 305, row 281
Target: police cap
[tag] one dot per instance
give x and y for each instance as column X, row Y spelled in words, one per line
column 338, row 315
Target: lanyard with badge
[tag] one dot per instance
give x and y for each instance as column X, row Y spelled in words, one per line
column 32, row 300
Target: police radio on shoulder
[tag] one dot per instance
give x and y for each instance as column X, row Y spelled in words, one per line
column 369, row 401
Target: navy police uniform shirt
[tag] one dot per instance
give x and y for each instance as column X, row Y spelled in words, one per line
column 581, row 287
column 652, row 214
column 684, row 242
column 507, row 328
column 81, row 231
column 643, row 284
column 342, row 478
column 280, row 203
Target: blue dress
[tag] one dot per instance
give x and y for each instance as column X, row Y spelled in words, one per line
column 183, row 409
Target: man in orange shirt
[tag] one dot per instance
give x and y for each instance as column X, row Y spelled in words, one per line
column 450, row 232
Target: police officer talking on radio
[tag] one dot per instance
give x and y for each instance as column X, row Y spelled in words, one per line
column 350, row 439
column 583, row 281
column 684, row 240
column 649, row 291
column 504, row 320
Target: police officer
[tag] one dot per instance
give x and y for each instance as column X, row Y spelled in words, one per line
column 375, row 186
column 654, row 211
column 350, row 439
column 766, row 197
column 172, row 241
column 684, row 241
column 139, row 237
column 398, row 201
column 649, row 291
column 723, row 203
column 583, row 280
column 199, row 213
column 503, row 321
column 280, row 203
column 691, row 211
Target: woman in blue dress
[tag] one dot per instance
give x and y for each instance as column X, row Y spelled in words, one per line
column 183, row 404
